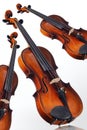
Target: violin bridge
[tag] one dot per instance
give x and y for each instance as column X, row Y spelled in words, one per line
column 71, row 31
column 55, row 80
column 5, row 101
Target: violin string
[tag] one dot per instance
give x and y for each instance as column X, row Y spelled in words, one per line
column 42, row 60
column 50, row 71
column 34, row 48
column 40, row 57
column 10, row 71
column 58, row 24
column 51, row 20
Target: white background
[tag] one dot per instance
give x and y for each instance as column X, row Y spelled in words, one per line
column 25, row 115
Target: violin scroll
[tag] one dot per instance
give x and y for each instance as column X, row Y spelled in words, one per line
column 8, row 14
column 8, row 19
column 11, row 21
column 11, row 38
column 21, row 9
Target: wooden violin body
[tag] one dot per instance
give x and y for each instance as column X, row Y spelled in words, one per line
column 3, row 73
column 5, row 120
column 46, row 96
column 71, row 44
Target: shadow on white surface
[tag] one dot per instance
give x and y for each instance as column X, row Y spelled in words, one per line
column 69, row 127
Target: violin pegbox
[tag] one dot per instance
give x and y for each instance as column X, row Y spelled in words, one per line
column 21, row 9
column 11, row 39
column 8, row 20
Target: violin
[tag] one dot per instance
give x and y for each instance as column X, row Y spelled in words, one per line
column 53, row 97
column 8, row 84
column 74, row 40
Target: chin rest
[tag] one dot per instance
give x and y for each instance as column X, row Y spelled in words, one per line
column 61, row 113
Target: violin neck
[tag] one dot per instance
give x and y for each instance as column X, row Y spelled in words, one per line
column 10, row 71
column 37, row 13
column 36, row 51
column 57, row 24
column 48, row 19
